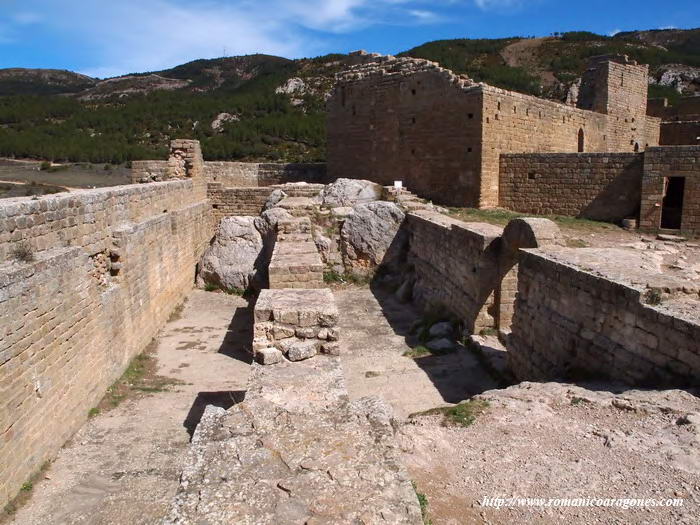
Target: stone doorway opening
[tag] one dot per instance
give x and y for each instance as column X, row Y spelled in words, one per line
column 672, row 208
column 581, row 141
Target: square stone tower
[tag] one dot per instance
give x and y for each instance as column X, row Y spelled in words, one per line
column 617, row 86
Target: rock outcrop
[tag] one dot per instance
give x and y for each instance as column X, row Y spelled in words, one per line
column 232, row 261
column 370, row 236
column 349, row 192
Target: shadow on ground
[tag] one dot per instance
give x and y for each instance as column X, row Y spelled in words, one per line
column 224, row 399
column 238, row 342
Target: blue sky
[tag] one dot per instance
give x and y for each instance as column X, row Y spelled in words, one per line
column 111, row 37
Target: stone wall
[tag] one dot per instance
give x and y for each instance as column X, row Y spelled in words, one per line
column 687, row 108
column 442, row 134
column 143, row 171
column 248, row 174
column 455, row 265
column 409, row 120
column 108, row 267
column 574, row 322
column 236, row 201
column 598, row 186
column 680, row 133
column 671, row 161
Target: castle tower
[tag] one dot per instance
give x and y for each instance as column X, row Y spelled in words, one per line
column 615, row 85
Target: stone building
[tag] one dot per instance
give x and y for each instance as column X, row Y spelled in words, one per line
column 442, row 134
column 680, row 124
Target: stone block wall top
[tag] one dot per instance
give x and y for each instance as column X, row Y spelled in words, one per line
column 297, row 307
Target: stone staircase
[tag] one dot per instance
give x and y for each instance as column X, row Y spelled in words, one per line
column 404, row 198
column 295, row 261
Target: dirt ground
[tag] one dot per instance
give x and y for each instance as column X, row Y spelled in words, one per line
column 74, row 176
column 123, row 466
column 560, row 441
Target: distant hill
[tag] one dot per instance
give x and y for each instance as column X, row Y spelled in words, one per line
column 262, row 107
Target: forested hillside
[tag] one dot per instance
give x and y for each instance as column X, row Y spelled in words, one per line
column 262, row 107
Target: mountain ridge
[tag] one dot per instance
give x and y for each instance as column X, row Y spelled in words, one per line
column 273, row 107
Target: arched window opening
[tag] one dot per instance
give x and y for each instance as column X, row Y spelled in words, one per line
column 581, row 141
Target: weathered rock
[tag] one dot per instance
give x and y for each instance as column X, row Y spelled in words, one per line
column 440, row 345
column 296, row 451
column 267, row 222
column 268, row 356
column 331, row 348
column 275, row 197
column 405, row 292
column 439, row 330
column 349, row 192
column 342, row 212
column 301, row 350
column 232, row 260
column 371, row 235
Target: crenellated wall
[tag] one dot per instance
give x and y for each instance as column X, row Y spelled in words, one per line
column 86, row 281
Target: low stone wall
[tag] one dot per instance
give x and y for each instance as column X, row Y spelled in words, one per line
column 598, row 186
column 455, row 264
column 236, row 201
column 86, row 281
column 571, row 320
column 247, row 174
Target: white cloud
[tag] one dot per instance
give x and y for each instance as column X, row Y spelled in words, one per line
column 498, row 4
column 614, row 32
column 668, row 27
column 26, row 18
column 135, row 35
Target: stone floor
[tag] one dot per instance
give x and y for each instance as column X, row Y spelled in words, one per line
column 123, row 466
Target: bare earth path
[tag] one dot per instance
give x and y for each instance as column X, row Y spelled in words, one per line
column 123, row 466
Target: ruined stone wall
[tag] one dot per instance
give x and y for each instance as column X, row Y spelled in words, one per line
column 236, row 201
column 442, row 134
column 455, row 264
column 143, row 171
column 671, row 161
column 598, row 186
column 248, row 174
column 109, row 266
column 570, row 321
column 687, row 108
column 516, row 123
column 680, row 133
column 409, row 120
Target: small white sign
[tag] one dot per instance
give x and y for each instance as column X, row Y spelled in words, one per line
column 398, row 184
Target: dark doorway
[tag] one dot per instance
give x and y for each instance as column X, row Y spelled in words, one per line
column 672, row 210
column 581, row 141
column 636, row 147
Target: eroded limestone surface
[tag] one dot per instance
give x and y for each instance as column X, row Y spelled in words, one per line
column 296, row 451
